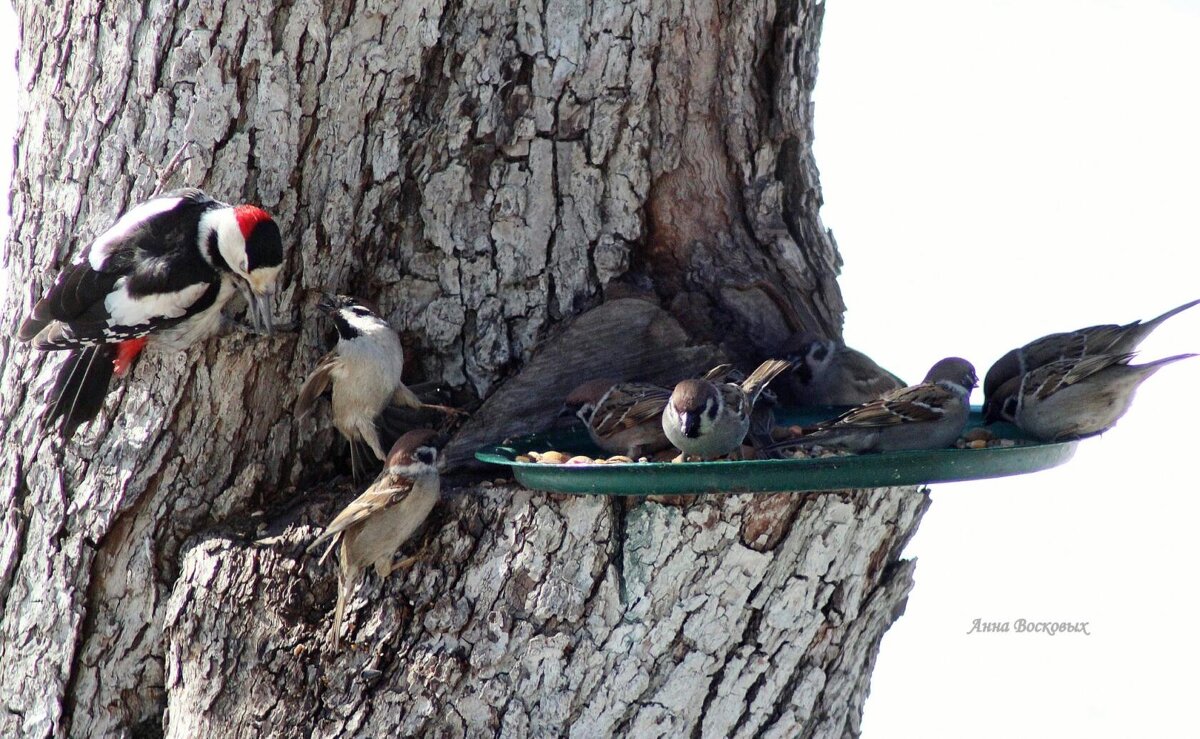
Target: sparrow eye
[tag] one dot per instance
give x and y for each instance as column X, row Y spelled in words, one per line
column 425, row 455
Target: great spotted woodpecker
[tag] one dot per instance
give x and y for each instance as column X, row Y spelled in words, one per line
column 160, row 275
column 371, row 403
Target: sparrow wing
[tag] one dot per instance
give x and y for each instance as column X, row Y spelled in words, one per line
column 628, row 404
column 317, row 384
column 863, row 373
column 388, row 490
column 718, row 373
column 1049, row 379
column 915, row 404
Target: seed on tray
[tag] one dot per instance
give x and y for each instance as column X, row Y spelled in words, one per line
column 978, row 434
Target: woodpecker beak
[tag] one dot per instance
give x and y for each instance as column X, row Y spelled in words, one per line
column 260, row 311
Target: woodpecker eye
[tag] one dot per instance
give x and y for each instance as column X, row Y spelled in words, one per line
column 426, row 455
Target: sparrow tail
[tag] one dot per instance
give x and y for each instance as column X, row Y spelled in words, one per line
column 345, row 584
column 1149, row 368
column 760, row 377
column 80, row 388
column 1145, row 328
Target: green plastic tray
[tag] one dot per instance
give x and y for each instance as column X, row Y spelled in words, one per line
column 772, row 475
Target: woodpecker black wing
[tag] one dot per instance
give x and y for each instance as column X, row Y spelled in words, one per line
column 144, row 273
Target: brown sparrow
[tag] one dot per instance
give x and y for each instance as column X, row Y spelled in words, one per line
column 372, row 528
column 705, row 418
column 622, row 418
column 930, row 415
column 827, row 372
column 1074, row 398
column 1085, row 342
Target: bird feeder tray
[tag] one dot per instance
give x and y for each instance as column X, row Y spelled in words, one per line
column 772, row 475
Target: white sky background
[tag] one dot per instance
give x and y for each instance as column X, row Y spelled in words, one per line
column 994, row 171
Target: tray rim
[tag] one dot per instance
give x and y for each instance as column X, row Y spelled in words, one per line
column 697, row 478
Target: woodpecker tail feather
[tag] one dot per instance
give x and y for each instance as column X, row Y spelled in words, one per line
column 80, row 388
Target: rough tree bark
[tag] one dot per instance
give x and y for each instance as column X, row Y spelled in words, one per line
column 502, row 178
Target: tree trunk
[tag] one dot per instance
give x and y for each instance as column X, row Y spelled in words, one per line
column 518, row 185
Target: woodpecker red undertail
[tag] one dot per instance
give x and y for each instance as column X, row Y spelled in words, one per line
column 160, row 277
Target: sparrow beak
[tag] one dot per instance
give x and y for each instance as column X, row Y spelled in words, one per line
column 260, row 308
column 690, row 423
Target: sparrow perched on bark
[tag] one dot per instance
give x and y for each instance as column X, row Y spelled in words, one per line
column 1073, row 398
column 160, row 277
column 363, row 373
column 827, row 372
column 930, row 415
column 1085, row 342
column 370, row 530
column 705, row 418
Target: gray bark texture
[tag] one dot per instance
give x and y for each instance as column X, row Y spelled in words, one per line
column 536, row 192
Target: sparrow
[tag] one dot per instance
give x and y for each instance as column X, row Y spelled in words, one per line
column 159, row 277
column 1074, row 398
column 1085, row 342
column 370, row 530
column 827, row 372
column 623, row 417
column 706, row 418
column 824, row 371
column 363, row 374
column 929, row 415
column 762, row 418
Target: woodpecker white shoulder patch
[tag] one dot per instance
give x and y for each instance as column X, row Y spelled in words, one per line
column 128, row 310
column 102, row 247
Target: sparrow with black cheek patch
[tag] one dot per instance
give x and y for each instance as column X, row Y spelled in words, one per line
column 710, row 419
column 363, row 374
column 1074, row 398
column 370, row 530
column 827, row 372
column 930, row 415
column 1070, row 345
